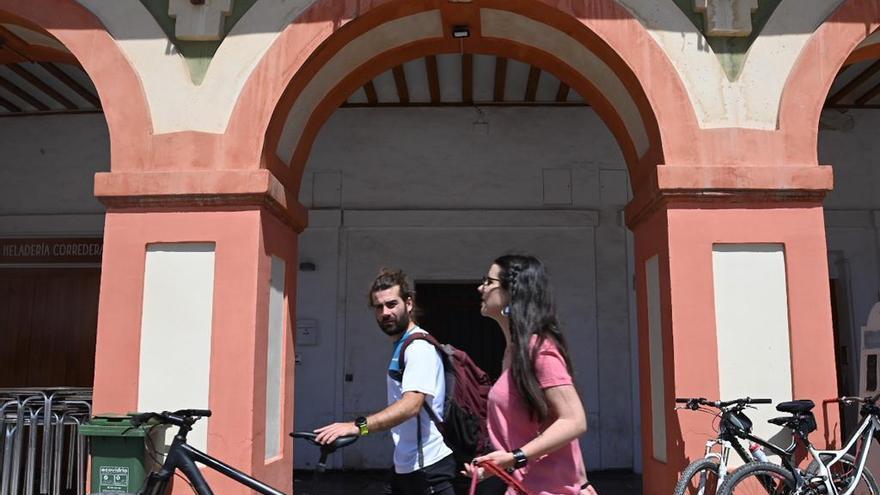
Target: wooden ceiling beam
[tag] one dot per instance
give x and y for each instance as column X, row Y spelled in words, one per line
column 42, row 86
column 400, row 83
column 500, row 78
column 370, row 91
column 12, row 107
column 13, row 42
column 467, row 78
column 855, row 83
column 20, row 93
column 71, row 83
column 532, row 85
column 865, row 98
column 562, row 92
column 433, row 78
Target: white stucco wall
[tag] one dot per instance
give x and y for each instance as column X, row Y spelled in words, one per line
column 848, row 142
column 47, row 173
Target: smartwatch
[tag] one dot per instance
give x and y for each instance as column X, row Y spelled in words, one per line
column 361, row 423
column 519, row 459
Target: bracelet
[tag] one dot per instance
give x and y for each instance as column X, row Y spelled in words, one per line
column 519, row 459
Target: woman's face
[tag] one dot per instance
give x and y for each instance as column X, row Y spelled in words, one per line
column 494, row 298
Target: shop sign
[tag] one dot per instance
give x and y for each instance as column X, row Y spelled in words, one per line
column 81, row 250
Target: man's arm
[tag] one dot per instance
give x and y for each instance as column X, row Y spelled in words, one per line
column 405, row 408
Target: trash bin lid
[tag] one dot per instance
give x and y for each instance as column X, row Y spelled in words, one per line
column 112, row 425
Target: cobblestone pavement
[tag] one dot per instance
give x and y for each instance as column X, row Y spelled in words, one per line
column 371, row 482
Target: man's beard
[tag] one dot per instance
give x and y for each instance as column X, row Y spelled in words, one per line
column 397, row 328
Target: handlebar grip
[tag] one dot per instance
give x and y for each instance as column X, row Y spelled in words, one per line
column 201, row 413
column 681, row 400
column 140, row 419
column 761, row 401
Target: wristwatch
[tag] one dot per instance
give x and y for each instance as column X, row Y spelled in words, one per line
column 519, row 459
column 361, row 423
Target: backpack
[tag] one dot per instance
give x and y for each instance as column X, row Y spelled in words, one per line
column 464, row 405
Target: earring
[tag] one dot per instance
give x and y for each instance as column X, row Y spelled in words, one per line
column 505, row 310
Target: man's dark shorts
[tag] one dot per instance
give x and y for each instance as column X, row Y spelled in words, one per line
column 441, row 478
column 434, row 479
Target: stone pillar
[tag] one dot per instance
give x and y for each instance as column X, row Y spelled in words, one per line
column 197, row 300
column 733, row 301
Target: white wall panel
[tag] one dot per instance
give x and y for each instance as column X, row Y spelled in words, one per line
column 275, row 360
column 751, row 321
column 175, row 354
column 655, row 353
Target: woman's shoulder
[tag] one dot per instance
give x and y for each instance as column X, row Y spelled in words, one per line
column 548, row 344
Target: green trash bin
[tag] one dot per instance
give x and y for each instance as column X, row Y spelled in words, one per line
column 119, row 454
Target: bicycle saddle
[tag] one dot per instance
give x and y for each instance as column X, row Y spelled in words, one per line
column 330, row 447
column 795, row 406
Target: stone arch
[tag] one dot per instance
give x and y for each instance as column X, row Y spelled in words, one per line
column 828, row 50
column 118, row 86
column 609, row 34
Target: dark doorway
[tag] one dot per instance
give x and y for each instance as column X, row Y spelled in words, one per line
column 842, row 355
column 450, row 311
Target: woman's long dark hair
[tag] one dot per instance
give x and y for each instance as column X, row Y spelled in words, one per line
column 532, row 312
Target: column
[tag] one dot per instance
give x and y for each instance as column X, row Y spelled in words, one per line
column 195, row 312
column 733, row 301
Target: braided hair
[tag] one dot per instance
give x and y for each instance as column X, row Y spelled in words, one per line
column 532, row 311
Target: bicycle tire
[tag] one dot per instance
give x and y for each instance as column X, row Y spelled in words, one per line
column 698, row 478
column 756, row 478
column 841, row 481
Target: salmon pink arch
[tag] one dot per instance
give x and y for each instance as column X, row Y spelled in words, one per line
column 118, row 86
column 605, row 29
column 811, row 78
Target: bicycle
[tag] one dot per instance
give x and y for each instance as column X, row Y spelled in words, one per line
column 831, row 472
column 183, row 457
column 704, row 476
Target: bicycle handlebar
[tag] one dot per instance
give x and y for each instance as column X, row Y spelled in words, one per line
column 184, row 417
column 696, row 402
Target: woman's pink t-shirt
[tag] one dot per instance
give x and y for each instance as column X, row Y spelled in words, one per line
column 510, row 427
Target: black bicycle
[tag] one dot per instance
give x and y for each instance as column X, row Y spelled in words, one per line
column 831, row 472
column 704, row 476
column 183, row 457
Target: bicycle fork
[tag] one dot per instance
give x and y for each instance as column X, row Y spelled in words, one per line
column 723, row 456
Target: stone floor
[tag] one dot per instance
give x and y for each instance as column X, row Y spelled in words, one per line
column 371, row 482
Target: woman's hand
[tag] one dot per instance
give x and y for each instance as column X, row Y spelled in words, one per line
column 500, row 458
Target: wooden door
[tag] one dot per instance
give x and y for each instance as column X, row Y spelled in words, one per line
column 48, row 322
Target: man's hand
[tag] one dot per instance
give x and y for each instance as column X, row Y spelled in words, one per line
column 327, row 434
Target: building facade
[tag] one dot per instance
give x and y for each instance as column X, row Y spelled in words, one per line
column 250, row 164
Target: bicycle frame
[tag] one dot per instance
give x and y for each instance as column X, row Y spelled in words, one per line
column 866, row 431
column 184, row 457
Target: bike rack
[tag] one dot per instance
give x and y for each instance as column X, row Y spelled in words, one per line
column 35, row 420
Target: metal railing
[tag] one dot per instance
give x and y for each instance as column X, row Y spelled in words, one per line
column 44, row 423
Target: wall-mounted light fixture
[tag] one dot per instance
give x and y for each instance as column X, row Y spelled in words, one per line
column 461, row 32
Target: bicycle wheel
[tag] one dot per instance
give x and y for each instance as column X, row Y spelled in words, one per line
column 842, row 474
column 698, row 478
column 759, row 478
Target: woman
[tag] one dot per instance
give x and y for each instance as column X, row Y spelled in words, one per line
column 535, row 415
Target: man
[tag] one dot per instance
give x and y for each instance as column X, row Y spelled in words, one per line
column 422, row 462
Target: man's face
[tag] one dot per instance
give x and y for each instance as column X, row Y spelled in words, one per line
column 392, row 312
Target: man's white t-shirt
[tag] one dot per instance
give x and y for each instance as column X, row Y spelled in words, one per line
column 423, row 372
